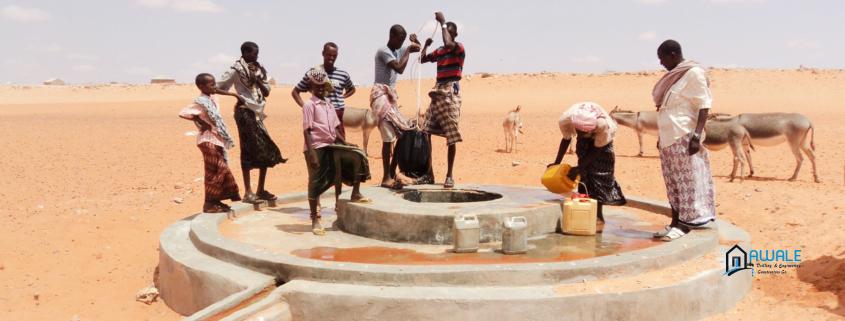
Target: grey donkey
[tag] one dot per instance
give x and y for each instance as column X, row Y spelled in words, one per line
column 764, row 129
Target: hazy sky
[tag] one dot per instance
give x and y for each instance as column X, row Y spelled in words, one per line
column 130, row 41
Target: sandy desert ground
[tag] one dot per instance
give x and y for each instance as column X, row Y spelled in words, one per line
column 89, row 177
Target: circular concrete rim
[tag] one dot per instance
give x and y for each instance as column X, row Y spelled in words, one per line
column 206, row 237
column 418, row 208
column 393, row 218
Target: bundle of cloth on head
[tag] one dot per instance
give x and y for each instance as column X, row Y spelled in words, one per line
column 585, row 117
column 588, row 117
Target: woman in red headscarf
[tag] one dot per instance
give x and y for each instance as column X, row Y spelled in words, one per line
column 595, row 130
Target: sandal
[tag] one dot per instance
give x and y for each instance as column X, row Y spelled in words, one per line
column 250, row 198
column 425, row 179
column 214, row 208
column 317, row 228
column 662, row 233
column 265, row 195
column 674, row 234
column 450, row 183
column 223, row 205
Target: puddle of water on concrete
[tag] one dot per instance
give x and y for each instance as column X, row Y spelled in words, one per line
column 616, row 238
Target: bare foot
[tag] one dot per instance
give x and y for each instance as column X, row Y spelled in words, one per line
column 358, row 198
column 391, row 184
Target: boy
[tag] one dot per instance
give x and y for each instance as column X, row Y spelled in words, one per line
column 213, row 139
column 331, row 161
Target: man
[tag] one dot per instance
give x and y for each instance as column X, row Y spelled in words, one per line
column 445, row 109
column 683, row 100
column 342, row 86
column 258, row 151
column 390, row 61
column 330, row 160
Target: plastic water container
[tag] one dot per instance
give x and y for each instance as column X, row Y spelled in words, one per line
column 467, row 234
column 515, row 235
column 579, row 216
column 555, row 180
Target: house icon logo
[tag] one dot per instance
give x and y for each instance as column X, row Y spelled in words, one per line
column 736, row 259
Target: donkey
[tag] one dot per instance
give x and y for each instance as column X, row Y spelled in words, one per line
column 766, row 129
column 769, row 129
column 513, row 127
column 720, row 132
column 643, row 122
column 360, row 118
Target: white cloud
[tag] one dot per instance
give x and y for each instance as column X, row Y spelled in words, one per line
column 585, row 59
column 803, row 44
column 83, row 68
column 182, row 5
column 24, row 14
column 647, row 36
column 139, row 71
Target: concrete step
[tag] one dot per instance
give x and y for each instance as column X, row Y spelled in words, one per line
column 197, row 285
column 207, row 238
column 688, row 291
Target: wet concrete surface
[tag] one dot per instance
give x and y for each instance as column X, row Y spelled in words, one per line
column 286, row 231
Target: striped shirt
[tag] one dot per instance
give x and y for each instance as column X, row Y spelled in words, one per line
column 450, row 64
column 341, row 82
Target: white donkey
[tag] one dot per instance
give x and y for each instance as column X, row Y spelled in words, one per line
column 513, row 127
column 360, row 118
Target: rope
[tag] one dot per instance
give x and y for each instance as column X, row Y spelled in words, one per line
column 416, row 67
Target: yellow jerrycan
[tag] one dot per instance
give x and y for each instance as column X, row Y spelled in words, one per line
column 555, row 180
column 579, row 216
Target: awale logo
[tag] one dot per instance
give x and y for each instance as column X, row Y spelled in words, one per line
column 761, row 261
column 736, row 259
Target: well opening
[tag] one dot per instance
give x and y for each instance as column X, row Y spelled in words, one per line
column 449, row 196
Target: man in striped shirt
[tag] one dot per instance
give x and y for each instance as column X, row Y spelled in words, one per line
column 445, row 109
column 341, row 82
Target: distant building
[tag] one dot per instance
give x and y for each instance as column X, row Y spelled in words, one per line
column 162, row 80
column 54, row 82
column 272, row 81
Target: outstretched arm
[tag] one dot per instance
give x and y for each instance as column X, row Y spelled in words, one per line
column 448, row 42
column 561, row 150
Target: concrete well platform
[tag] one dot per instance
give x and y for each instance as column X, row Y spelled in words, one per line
column 425, row 213
column 620, row 274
